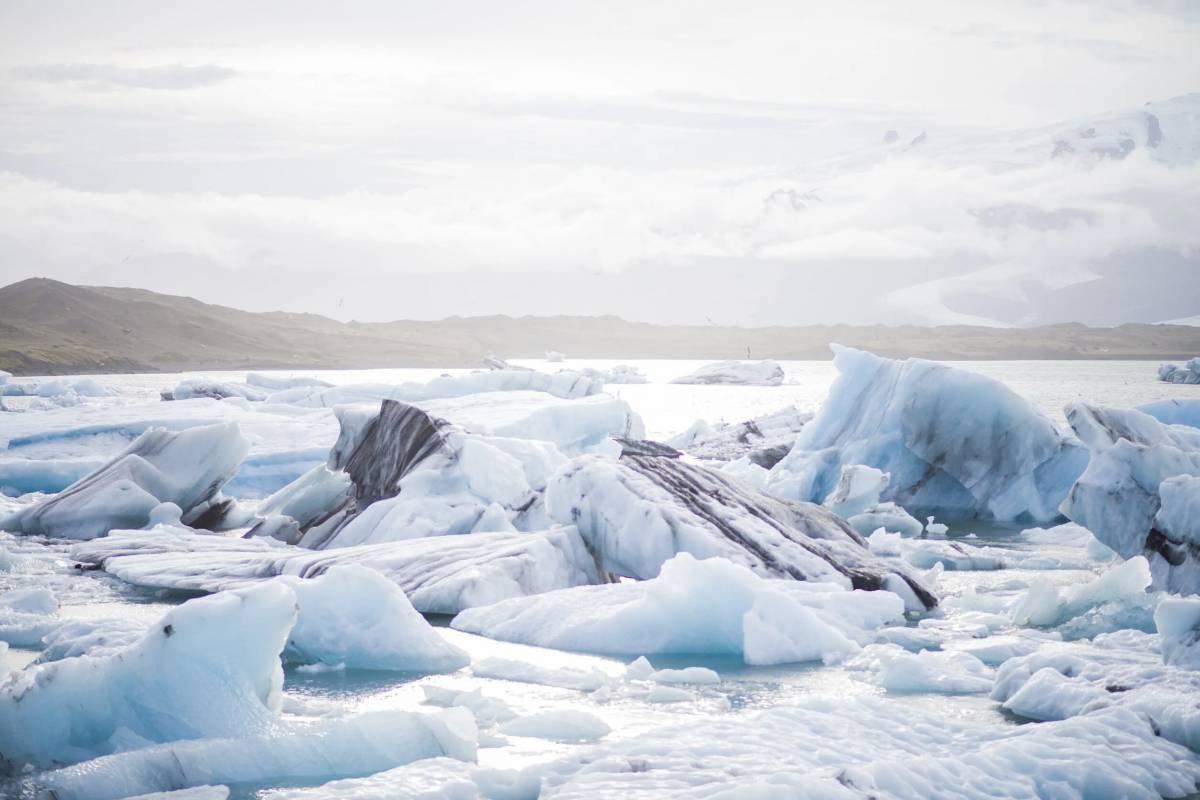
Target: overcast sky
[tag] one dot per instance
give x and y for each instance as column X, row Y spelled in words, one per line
column 670, row 162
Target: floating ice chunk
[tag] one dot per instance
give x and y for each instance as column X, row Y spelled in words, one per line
column 888, row 516
column 195, row 793
column 562, row 725
column 956, row 444
column 440, row 575
column 1046, row 605
column 642, row 510
column 1178, row 623
column 566, row 385
column 56, row 387
column 187, row 468
column 1120, row 496
column 278, row 382
column 847, row 747
column 331, row 748
column 508, row 669
column 762, row 441
column 209, row 668
column 26, row 615
column 701, row 675
column 640, row 669
column 739, row 373
column 1174, row 411
column 193, row 388
column 857, row 490
column 1173, row 373
column 709, row 606
column 619, row 374
column 935, row 528
column 1070, row 534
column 308, row 499
column 943, row 672
column 354, row 616
column 427, row 779
column 487, row 711
column 668, row 694
column 1093, row 676
column 883, row 543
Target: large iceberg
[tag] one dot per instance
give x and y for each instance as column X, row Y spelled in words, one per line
column 185, row 469
column 209, row 668
column 639, row 511
column 1139, row 492
column 440, row 575
column 737, row 373
column 956, row 444
column 710, row 606
column 1188, row 373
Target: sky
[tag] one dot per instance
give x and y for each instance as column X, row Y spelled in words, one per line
column 677, row 162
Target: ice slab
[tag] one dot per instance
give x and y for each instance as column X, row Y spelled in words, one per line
column 440, row 575
column 1174, row 411
column 762, row 440
column 641, row 510
column 737, row 373
column 187, row 468
column 956, row 444
column 709, row 606
column 1189, row 372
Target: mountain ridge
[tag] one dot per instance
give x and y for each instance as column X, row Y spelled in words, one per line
column 50, row 327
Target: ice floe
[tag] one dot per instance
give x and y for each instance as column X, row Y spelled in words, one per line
column 762, row 441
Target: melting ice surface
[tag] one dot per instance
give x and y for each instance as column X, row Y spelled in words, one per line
column 1044, row 625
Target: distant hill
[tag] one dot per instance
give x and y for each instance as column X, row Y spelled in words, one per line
column 48, row 327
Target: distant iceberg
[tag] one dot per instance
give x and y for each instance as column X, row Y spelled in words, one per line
column 1173, row 373
column 736, row 373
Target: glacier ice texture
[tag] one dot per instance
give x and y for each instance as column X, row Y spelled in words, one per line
column 1174, row 373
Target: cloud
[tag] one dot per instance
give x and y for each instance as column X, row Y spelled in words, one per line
column 166, row 77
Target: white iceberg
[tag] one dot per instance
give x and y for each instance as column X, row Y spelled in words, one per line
column 187, row 469
column 736, row 373
column 710, row 606
column 192, row 388
column 1046, row 605
column 26, row 615
column 619, row 374
column 564, row 725
column 564, row 384
column 955, row 443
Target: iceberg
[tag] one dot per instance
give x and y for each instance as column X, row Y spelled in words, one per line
column 440, row 575
column 354, row 616
column 209, row 668
column 736, row 373
column 1138, row 494
column 187, row 469
column 641, row 510
column 761, row 441
column 619, row 374
column 55, row 387
column 708, row 606
column 956, row 444
column 26, row 615
column 1173, row 373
